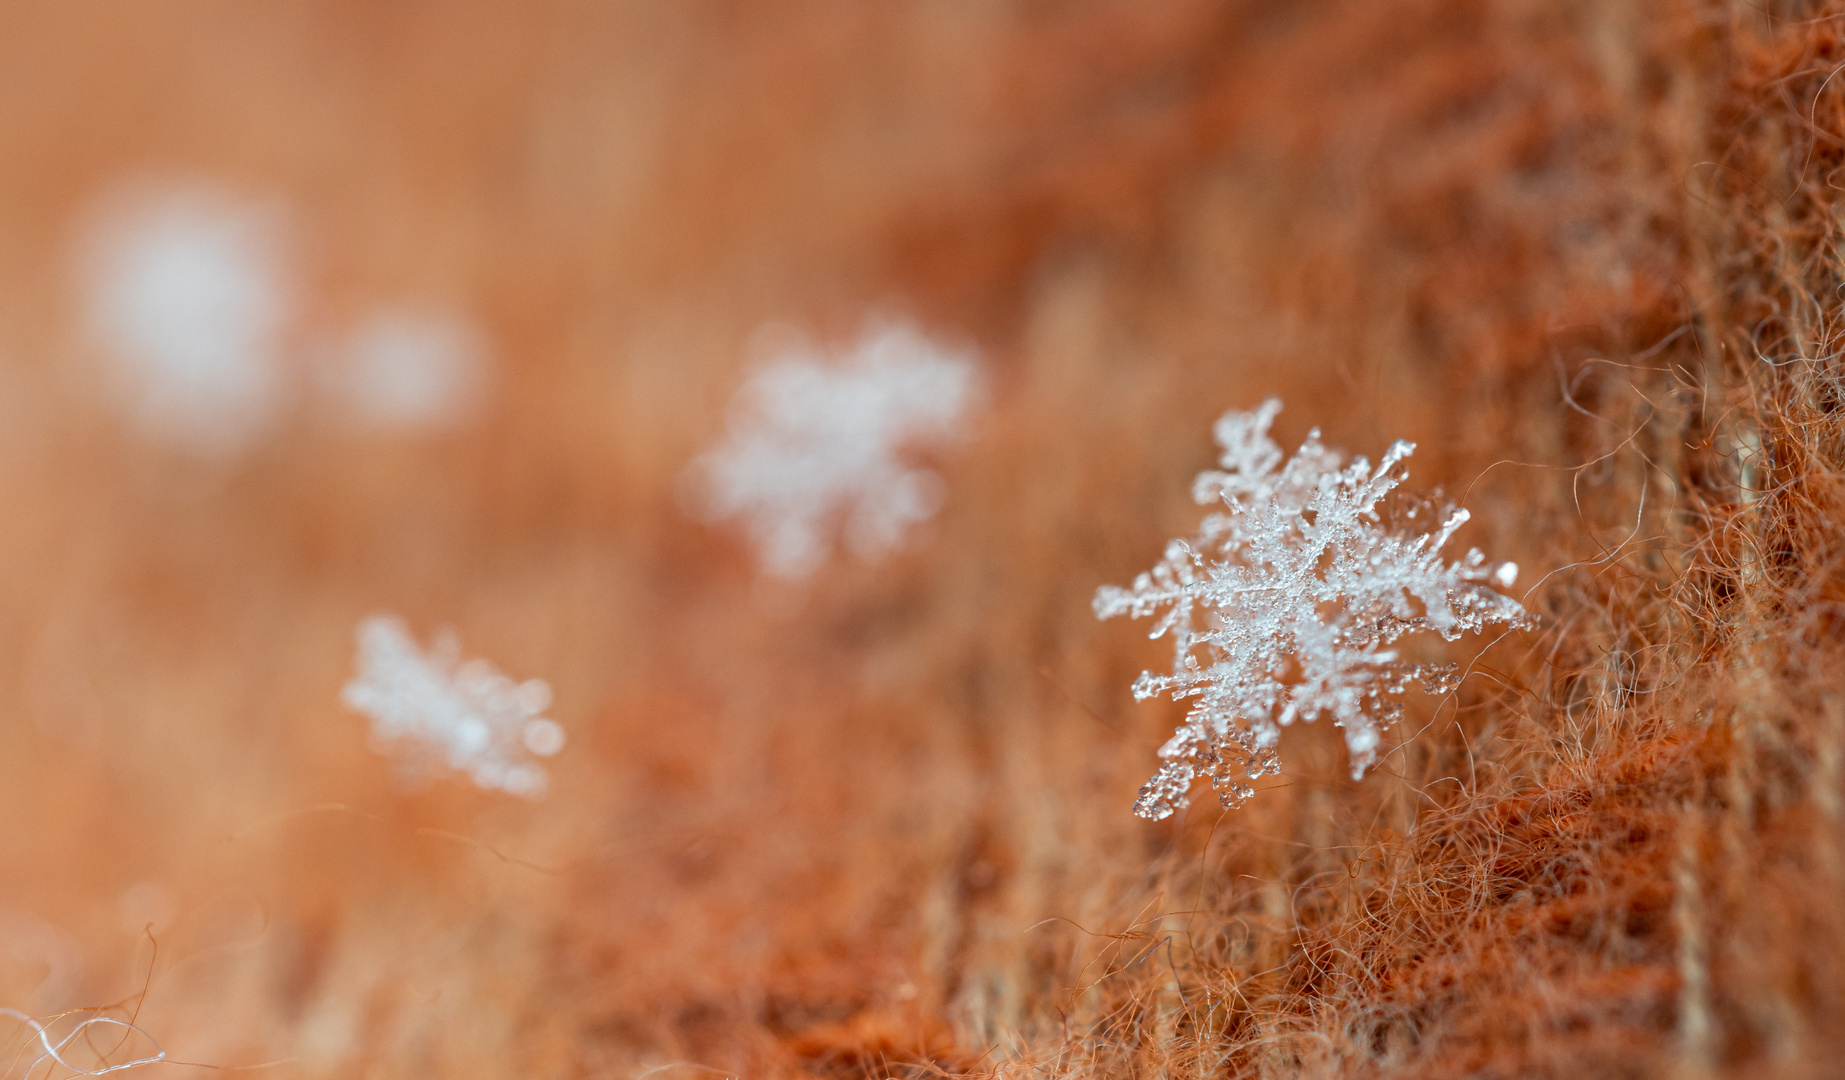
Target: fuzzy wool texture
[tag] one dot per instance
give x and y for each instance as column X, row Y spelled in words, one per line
column 874, row 822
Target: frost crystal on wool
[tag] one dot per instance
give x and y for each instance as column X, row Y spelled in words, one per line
column 1284, row 606
column 812, row 442
column 187, row 294
column 434, row 712
column 408, row 368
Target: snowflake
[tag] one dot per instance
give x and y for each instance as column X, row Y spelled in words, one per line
column 1284, row 605
column 409, row 368
column 813, row 441
column 434, row 711
column 187, row 295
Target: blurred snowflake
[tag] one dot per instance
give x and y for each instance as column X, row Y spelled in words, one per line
column 814, row 440
column 187, row 297
column 409, row 368
column 37, row 944
column 435, row 712
column 1282, row 606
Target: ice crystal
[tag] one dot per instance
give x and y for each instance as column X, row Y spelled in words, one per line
column 1284, row 605
column 187, row 296
column 815, row 440
column 35, row 943
column 434, row 712
column 409, row 368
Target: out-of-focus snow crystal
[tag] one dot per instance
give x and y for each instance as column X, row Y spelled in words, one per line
column 408, row 368
column 187, row 297
column 815, row 440
column 1284, row 605
column 434, row 712
column 35, row 943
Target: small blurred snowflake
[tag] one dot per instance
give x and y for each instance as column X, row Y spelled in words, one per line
column 1282, row 606
column 434, row 711
column 187, row 295
column 409, row 368
column 812, row 441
